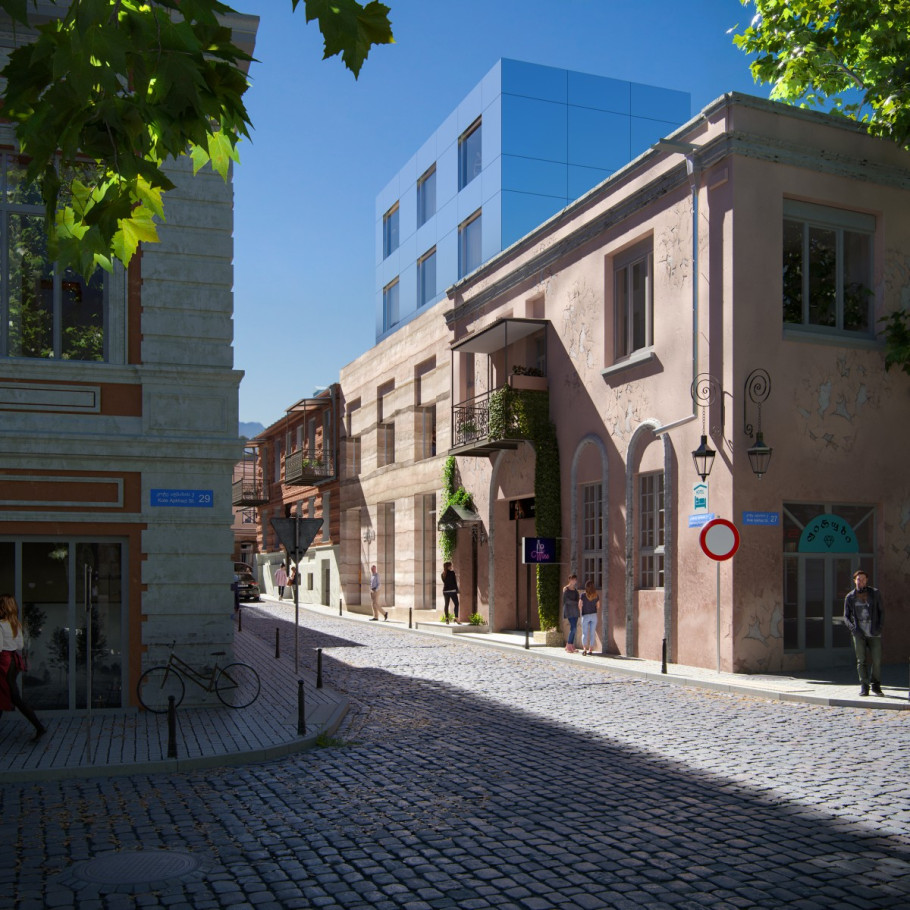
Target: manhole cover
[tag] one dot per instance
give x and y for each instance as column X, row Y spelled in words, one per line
column 136, row 870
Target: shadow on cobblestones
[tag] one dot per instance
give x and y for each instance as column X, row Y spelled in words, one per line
column 472, row 778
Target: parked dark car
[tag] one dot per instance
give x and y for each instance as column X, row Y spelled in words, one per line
column 247, row 588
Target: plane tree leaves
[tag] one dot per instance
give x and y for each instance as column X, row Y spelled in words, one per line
column 847, row 56
column 111, row 90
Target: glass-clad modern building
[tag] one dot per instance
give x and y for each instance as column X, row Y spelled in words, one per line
column 525, row 142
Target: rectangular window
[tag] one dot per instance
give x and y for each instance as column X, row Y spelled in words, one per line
column 827, row 268
column 390, row 305
column 45, row 311
column 469, row 247
column 386, row 553
column 385, row 444
column 592, row 534
column 426, row 196
column 354, row 456
column 426, row 432
column 390, row 231
column 428, row 550
column 426, row 277
column 633, row 302
column 651, row 530
column 470, row 158
column 326, row 508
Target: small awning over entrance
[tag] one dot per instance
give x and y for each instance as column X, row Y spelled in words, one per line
column 457, row 517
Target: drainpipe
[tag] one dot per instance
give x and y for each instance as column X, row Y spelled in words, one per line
column 693, row 169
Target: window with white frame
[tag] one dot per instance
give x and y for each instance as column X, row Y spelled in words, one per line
column 45, row 311
column 633, row 300
column 426, row 196
column 469, row 244
column 592, row 544
column 426, row 277
column 390, row 314
column 651, row 530
column 470, row 154
column 390, row 231
column 827, row 269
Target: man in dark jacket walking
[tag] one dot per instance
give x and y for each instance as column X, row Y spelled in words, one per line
column 863, row 615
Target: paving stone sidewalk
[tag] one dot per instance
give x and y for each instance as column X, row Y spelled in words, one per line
column 133, row 741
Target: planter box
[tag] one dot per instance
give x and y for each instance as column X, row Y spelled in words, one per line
column 552, row 638
column 528, row 383
column 467, row 627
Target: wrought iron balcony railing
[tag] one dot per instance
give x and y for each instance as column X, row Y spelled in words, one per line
column 308, row 466
column 249, row 492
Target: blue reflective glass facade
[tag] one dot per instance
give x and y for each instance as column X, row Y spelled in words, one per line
column 546, row 136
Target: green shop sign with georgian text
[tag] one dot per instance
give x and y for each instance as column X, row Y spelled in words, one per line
column 827, row 533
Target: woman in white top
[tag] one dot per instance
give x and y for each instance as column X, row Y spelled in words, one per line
column 11, row 662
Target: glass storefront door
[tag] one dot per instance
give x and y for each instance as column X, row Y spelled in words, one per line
column 72, row 602
column 815, row 583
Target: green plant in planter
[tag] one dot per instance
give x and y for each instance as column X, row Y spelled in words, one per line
column 477, row 620
column 446, row 618
column 452, row 495
column 526, row 371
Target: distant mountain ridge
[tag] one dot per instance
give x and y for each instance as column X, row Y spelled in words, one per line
column 250, row 429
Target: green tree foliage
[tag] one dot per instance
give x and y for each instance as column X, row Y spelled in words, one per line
column 848, row 56
column 130, row 85
column 453, row 494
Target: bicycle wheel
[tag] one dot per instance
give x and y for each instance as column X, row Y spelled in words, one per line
column 156, row 685
column 237, row 685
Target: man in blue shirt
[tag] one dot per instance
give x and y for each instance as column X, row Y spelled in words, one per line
column 374, row 595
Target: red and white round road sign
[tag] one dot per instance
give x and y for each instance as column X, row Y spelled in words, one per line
column 719, row 539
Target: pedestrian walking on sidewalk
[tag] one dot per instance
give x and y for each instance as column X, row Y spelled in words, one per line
column 570, row 598
column 12, row 663
column 281, row 579
column 590, row 604
column 449, row 591
column 863, row 616
column 374, row 595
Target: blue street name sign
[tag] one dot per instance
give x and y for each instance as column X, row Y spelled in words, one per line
column 700, row 519
column 761, row 518
column 192, row 499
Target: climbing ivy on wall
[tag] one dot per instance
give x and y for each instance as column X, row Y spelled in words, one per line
column 453, row 494
column 526, row 415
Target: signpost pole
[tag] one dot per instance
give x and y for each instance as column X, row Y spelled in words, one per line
column 718, row 617
column 297, row 595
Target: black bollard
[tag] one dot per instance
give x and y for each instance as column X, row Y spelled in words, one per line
column 277, row 643
column 319, row 668
column 410, row 617
column 663, row 657
column 239, row 620
column 340, row 605
column 301, row 714
column 171, row 728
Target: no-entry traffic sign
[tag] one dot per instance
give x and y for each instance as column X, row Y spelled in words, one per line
column 719, row 539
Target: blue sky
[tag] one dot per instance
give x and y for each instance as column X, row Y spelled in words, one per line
column 324, row 145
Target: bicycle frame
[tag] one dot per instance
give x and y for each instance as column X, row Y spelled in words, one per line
column 205, row 681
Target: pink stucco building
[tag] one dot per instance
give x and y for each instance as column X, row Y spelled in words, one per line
column 731, row 279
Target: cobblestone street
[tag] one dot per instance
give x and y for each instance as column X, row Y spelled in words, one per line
column 469, row 777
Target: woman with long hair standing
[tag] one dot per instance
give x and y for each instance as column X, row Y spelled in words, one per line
column 11, row 663
column 590, row 602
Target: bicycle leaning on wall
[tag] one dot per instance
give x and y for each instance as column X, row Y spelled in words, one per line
column 236, row 685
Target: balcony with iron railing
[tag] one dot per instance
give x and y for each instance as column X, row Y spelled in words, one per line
column 309, row 466
column 494, row 420
column 249, row 491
